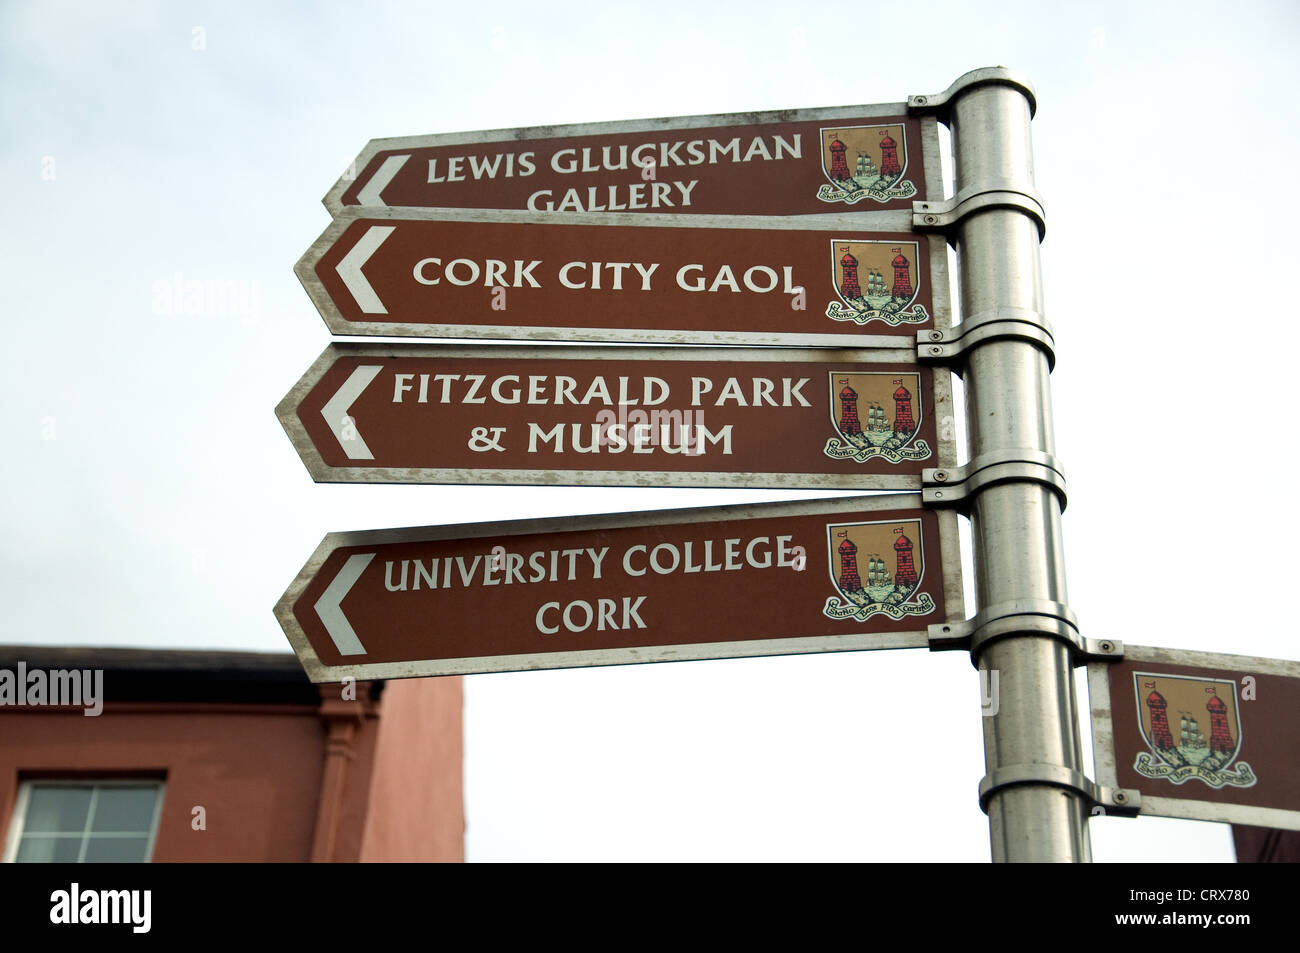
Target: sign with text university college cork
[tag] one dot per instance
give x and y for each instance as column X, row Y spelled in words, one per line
column 791, row 162
column 723, row 582
column 1200, row 735
column 620, row 416
column 618, row 277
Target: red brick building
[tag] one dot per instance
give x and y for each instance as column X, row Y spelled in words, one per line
column 1263, row 845
column 230, row 756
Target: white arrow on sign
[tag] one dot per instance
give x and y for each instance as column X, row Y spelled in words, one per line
column 349, row 268
column 369, row 195
column 336, row 416
column 331, row 613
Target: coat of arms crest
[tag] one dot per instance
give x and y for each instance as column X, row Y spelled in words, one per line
column 1172, row 714
column 866, row 428
column 868, row 581
column 865, row 162
column 876, row 281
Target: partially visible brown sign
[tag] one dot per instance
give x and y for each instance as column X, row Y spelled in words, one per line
column 844, row 419
column 794, row 162
column 768, row 579
column 409, row 272
column 1211, row 737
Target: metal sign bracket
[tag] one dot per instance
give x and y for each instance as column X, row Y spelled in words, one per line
column 1124, row 802
column 1022, row 617
column 948, row 347
column 939, row 104
column 944, row 215
column 955, row 486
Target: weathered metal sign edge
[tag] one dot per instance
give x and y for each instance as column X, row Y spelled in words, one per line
column 1103, row 741
column 949, row 561
column 932, row 167
column 862, row 222
column 322, row 472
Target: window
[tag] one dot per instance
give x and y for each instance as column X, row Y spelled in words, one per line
column 85, row 822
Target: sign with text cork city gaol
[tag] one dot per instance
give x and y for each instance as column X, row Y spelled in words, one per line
column 724, row 582
column 790, row 162
column 637, row 279
column 620, row 416
column 1200, row 735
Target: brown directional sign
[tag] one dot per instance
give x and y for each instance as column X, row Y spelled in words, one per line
column 1200, row 735
column 724, row 582
column 793, row 162
column 680, row 280
column 620, row 416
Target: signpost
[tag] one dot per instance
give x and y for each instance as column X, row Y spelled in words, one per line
column 673, row 279
column 1200, row 735
column 477, row 250
column 792, row 162
column 723, row 582
column 843, row 419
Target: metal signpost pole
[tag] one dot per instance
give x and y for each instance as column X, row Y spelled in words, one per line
column 1035, row 793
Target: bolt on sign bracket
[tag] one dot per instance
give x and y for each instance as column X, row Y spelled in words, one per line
column 1100, row 650
column 948, row 347
column 956, row 486
column 944, row 215
column 1022, row 617
column 938, row 104
column 1124, row 802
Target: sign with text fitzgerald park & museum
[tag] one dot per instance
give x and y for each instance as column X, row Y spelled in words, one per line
column 724, row 582
column 627, row 416
column 1200, row 735
column 791, row 162
column 669, row 279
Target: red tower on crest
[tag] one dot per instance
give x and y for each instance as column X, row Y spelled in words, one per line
column 905, row 576
column 839, row 168
column 1220, row 737
column 850, row 581
column 849, row 287
column 903, row 422
column 1161, row 736
column 849, row 423
column 889, row 157
column 902, row 276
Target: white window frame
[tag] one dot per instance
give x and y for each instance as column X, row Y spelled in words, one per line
column 16, row 828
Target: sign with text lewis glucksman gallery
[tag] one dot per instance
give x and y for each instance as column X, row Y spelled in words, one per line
column 724, row 582
column 620, row 416
column 792, row 162
column 637, row 279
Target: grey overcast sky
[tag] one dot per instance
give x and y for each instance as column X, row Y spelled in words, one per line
column 152, row 499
